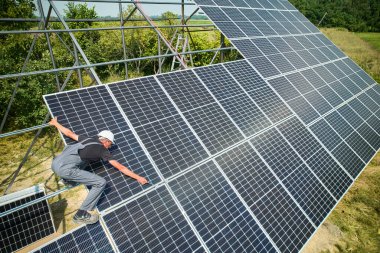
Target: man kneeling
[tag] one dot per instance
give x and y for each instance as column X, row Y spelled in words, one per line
column 70, row 163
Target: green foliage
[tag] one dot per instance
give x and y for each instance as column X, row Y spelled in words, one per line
column 355, row 15
column 16, row 9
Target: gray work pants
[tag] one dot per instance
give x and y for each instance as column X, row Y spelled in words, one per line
column 68, row 166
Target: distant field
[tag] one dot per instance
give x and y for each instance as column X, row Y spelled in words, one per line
column 372, row 38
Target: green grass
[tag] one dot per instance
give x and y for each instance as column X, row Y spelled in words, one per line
column 372, row 38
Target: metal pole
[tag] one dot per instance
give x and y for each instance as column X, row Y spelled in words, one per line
column 322, row 19
column 222, row 44
column 122, row 22
column 47, row 35
column 79, row 71
column 159, row 54
column 75, row 41
column 107, row 63
column 34, row 141
column 162, row 36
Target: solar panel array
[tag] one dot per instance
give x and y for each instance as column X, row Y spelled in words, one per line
column 27, row 225
column 245, row 156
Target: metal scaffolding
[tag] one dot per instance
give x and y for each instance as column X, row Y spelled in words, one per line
column 81, row 61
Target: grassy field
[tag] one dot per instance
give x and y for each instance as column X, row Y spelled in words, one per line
column 354, row 226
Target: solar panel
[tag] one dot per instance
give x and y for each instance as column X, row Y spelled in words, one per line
column 27, row 225
column 245, row 156
column 89, row 239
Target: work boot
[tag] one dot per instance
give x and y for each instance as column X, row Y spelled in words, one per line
column 67, row 183
column 85, row 218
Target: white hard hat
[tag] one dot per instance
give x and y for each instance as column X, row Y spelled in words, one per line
column 107, row 134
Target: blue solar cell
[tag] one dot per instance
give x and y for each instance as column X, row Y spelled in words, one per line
column 247, row 172
column 295, row 60
column 360, row 109
column 351, row 64
column 314, row 79
column 270, row 103
column 343, row 67
column 204, row 2
column 284, row 88
column 303, row 109
column 214, row 209
column 299, row 137
column 264, row 66
column 301, row 84
column 331, row 97
column 246, row 114
column 318, row 55
column 367, row 79
column 290, row 27
column 368, row 102
column 318, row 102
column 360, row 146
column 287, row 226
column 247, row 48
column 278, row 28
column 374, row 122
column 213, row 127
column 251, row 15
column 278, row 154
column 368, row 134
column 230, row 29
column 282, row 64
column 315, row 40
column 328, row 53
column 92, row 239
column 335, row 70
column 245, row 75
column 307, row 57
column 305, row 42
column 215, row 14
column 341, row 126
column 72, row 111
column 151, row 223
column 311, row 195
column 266, row 4
column 280, row 44
column 325, row 74
column 142, row 100
column 219, row 81
column 223, row 2
column 350, row 85
column 374, row 95
column 358, row 81
column 265, row 46
column 264, row 28
column 349, row 160
column 341, row 90
column 171, row 144
column 185, row 89
column 326, row 134
column 240, row 3
column 330, row 173
column 294, row 43
column 234, row 14
column 249, row 29
column 350, row 116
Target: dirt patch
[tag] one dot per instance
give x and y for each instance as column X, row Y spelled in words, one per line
column 326, row 239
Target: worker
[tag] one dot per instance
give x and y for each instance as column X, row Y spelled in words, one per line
column 70, row 163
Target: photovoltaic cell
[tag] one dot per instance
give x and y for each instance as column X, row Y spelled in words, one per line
column 284, row 88
column 219, row 81
column 310, row 194
column 330, row 173
column 171, row 144
column 361, row 147
column 185, row 89
column 349, row 160
column 245, row 114
column 287, row 226
column 216, row 211
column 313, row 78
column 213, row 127
column 299, row 137
column 247, row 172
column 270, row 103
column 350, row 116
column 367, row 133
column 368, row 102
column 230, row 29
column 27, row 225
column 247, row 48
column 278, row 154
column 303, row 109
column 143, row 101
column 339, row 124
column 360, row 109
column 86, row 239
column 326, row 134
column 264, row 66
column 330, row 95
column 342, row 91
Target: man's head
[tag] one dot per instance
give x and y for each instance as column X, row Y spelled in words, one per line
column 106, row 137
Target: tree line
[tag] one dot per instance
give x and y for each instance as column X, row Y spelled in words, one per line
column 354, row 15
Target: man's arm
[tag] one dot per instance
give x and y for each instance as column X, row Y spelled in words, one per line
column 127, row 172
column 64, row 130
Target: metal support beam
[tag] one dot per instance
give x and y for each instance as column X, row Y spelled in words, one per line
column 122, row 22
column 75, row 42
column 162, row 36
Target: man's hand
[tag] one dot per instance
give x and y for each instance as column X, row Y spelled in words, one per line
column 53, row 121
column 142, row 180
